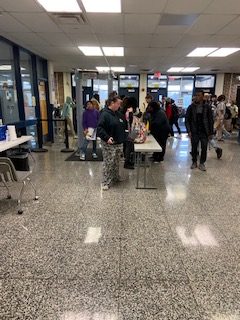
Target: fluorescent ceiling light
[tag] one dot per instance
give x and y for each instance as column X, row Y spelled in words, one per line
column 5, row 67
column 175, row 69
column 118, row 69
column 223, row 52
column 91, row 51
column 105, row 6
column 201, row 52
column 190, row 69
column 113, row 51
column 103, row 69
column 60, row 5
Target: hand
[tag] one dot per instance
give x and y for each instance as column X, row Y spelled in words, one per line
column 110, row 140
column 85, row 132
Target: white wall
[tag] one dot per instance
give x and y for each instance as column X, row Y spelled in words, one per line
column 219, row 84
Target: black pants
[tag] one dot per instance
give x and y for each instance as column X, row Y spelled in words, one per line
column 174, row 122
column 128, row 150
column 196, row 138
column 159, row 156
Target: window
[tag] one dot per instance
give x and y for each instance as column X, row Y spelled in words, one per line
column 8, row 93
column 129, row 81
column 180, row 89
column 205, row 81
column 27, row 85
column 101, row 87
column 154, row 82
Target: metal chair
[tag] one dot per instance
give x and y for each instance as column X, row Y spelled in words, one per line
column 9, row 175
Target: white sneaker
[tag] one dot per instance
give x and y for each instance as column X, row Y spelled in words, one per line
column 82, row 156
column 94, row 155
column 105, row 187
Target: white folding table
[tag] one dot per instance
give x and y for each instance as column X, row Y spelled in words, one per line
column 6, row 145
column 149, row 146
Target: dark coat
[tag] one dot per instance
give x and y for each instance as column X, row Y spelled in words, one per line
column 159, row 125
column 191, row 119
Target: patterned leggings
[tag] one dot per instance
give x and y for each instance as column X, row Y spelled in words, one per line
column 111, row 160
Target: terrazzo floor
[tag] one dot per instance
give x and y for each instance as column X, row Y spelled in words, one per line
column 82, row 254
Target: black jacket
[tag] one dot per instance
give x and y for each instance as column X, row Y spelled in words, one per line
column 191, row 119
column 112, row 124
column 159, row 125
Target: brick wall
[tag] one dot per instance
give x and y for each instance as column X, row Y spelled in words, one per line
column 230, row 85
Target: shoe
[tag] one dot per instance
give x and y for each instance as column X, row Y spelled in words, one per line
column 82, row 156
column 219, row 153
column 129, row 166
column 94, row 155
column 202, row 167
column 105, row 187
column 194, row 165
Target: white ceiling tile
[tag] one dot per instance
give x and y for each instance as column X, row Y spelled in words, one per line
column 143, row 6
column 27, row 38
column 171, row 29
column 137, row 52
column 137, row 40
column 84, row 39
column 224, row 7
column 186, row 6
column 164, row 40
column 81, row 29
column 37, row 22
column 106, row 23
column 141, row 23
column 209, row 24
column 56, row 38
column 20, row 6
column 232, row 28
column 9, row 24
column 111, row 40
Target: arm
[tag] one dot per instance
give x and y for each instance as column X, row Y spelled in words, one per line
column 102, row 128
column 187, row 120
column 210, row 121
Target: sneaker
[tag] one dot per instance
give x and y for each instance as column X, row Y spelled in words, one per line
column 194, row 165
column 219, row 153
column 94, row 155
column 105, row 187
column 202, row 167
column 82, row 157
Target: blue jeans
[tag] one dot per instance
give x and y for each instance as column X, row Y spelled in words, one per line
column 85, row 145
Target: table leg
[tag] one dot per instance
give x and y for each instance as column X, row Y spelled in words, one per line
column 145, row 170
column 138, row 168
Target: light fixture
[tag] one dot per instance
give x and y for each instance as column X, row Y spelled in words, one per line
column 201, row 52
column 5, row 67
column 175, row 69
column 190, row 69
column 118, row 69
column 103, row 69
column 223, row 52
column 104, row 6
column 91, row 51
column 60, row 5
column 113, row 51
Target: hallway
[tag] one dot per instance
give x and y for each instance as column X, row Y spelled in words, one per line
column 125, row 254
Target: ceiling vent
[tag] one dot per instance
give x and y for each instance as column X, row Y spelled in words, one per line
column 69, row 19
column 177, row 19
column 146, row 70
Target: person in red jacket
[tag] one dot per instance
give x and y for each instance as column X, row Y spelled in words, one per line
column 169, row 112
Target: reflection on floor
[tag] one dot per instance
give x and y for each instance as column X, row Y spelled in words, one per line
column 80, row 254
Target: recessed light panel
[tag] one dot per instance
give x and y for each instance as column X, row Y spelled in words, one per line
column 190, row 69
column 223, row 52
column 118, row 69
column 103, row 69
column 91, row 51
column 113, row 51
column 201, row 52
column 5, row 67
column 175, row 69
column 104, row 6
column 60, row 5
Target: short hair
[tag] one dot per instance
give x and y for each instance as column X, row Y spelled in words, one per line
column 148, row 96
column 129, row 102
column 85, row 106
column 200, row 91
column 221, row 97
column 154, row 105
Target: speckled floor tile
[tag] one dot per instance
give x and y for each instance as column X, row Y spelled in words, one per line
column 146, row 299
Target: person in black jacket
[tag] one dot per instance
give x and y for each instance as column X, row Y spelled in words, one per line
column 112, row 131
column 199, row 125
column 159, row 128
